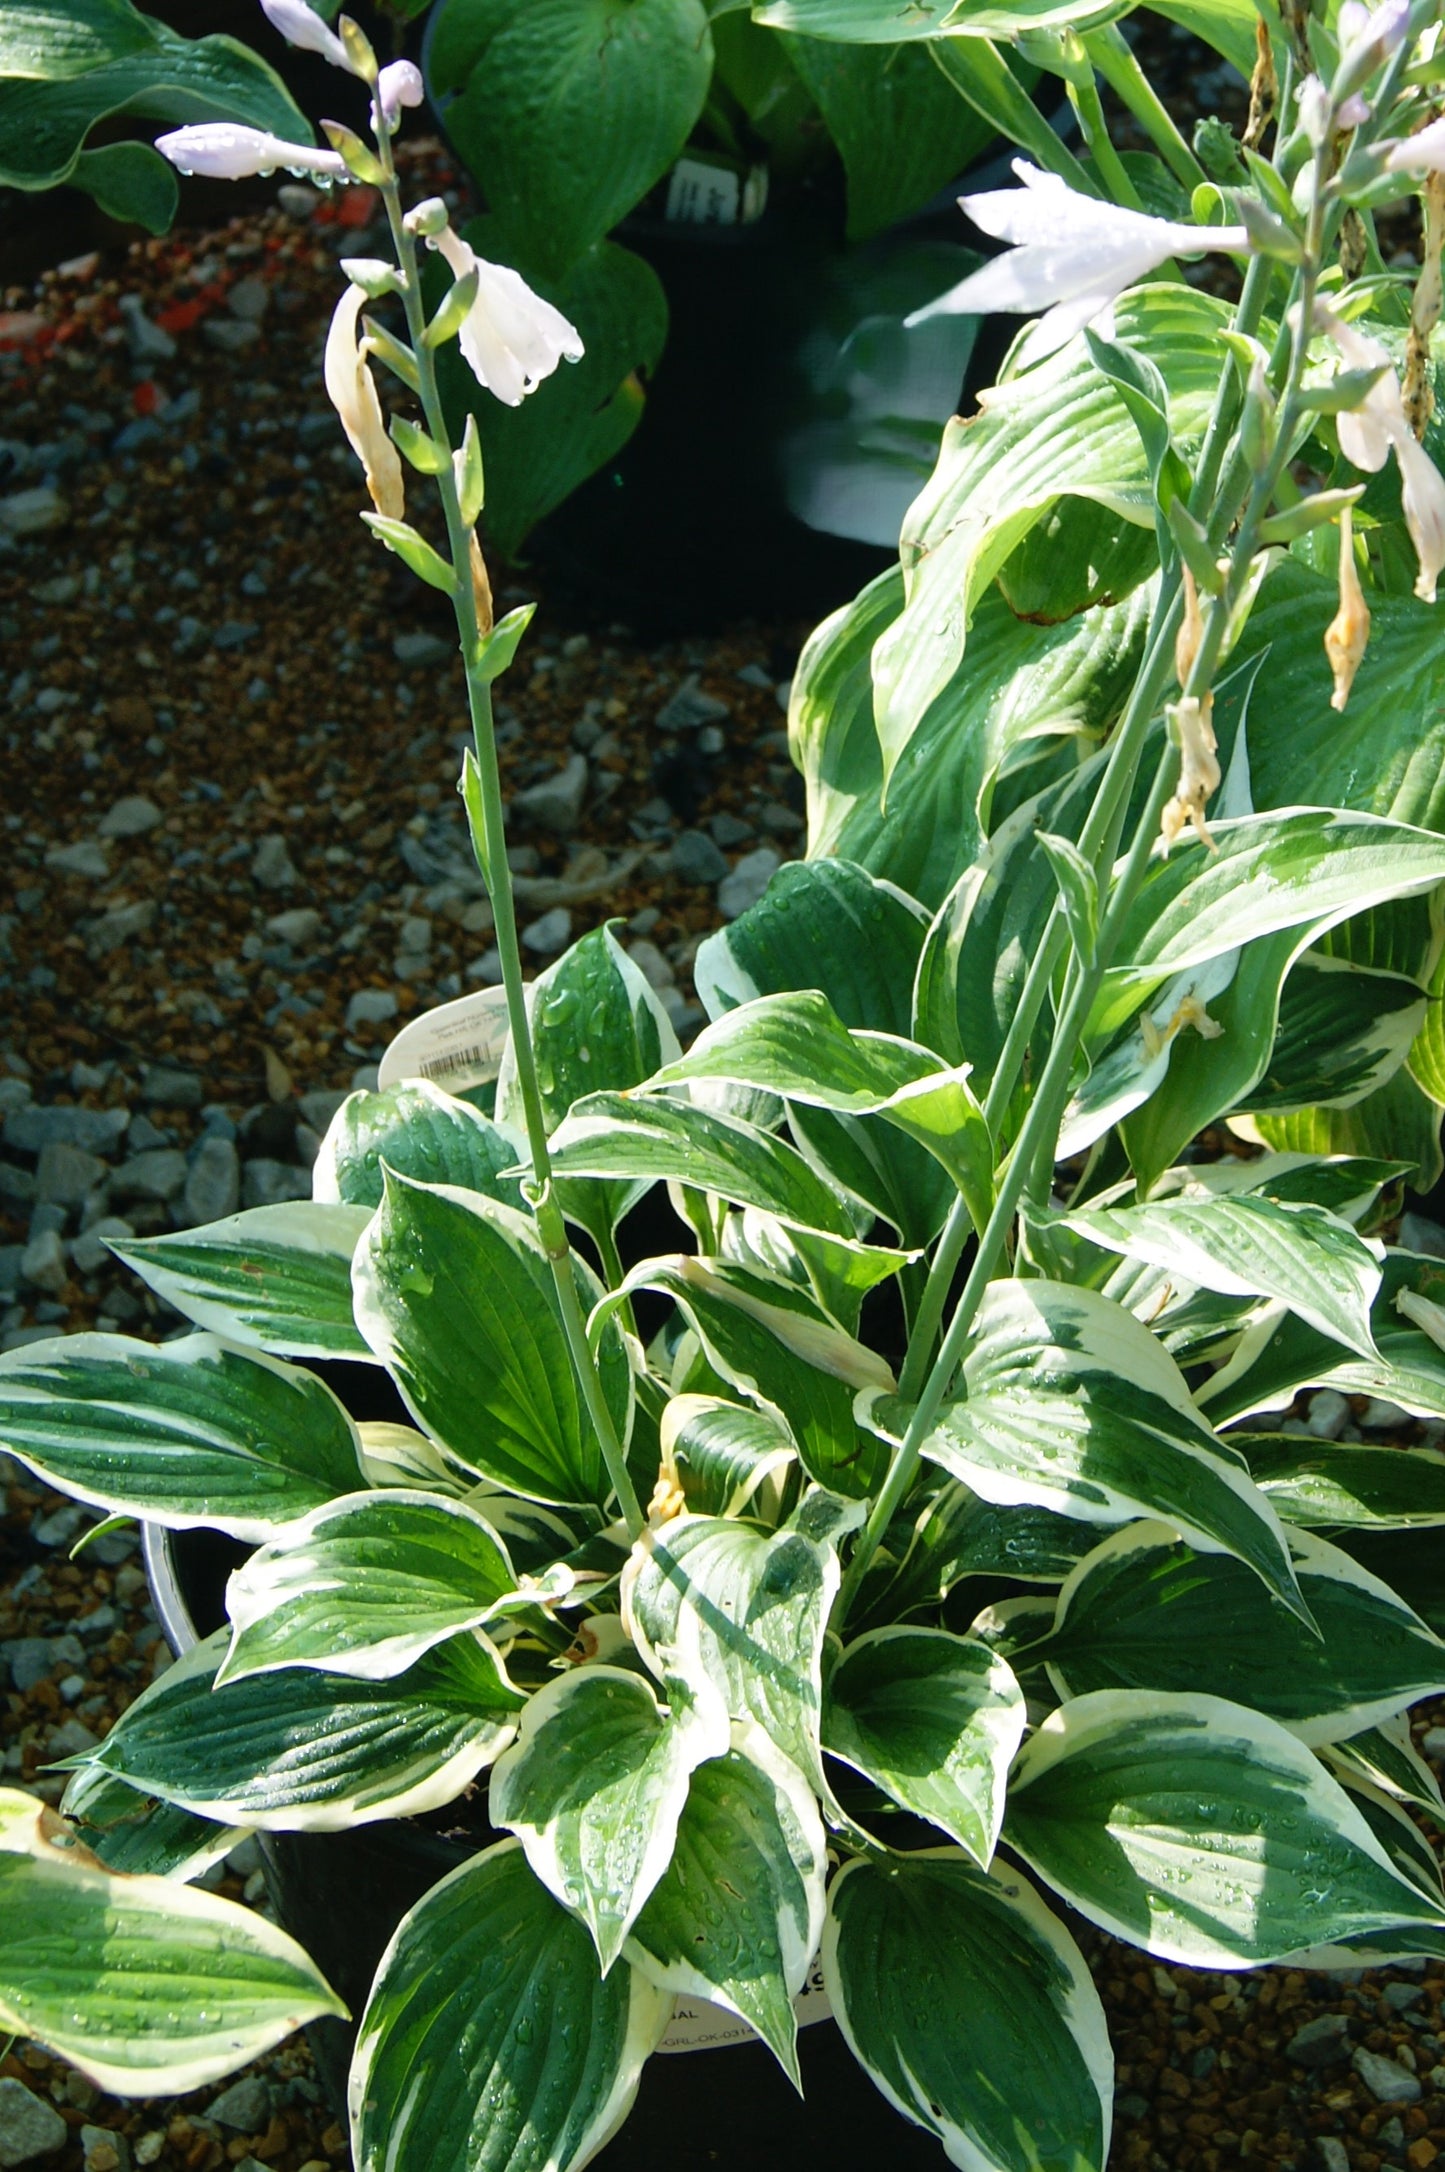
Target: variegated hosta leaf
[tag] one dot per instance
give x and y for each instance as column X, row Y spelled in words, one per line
column 303, row 1751
column 1199, row 1830
column 594, row 1785
column 794, row 1044
column 1280, row 1354
column 959, row 1535
column 1387, row 1758
column 737, row 1915
column 133, row 1832
column 421, row 1133
column 1343, row 1030
column 273, row 1278
column 1335, row 1483
column 723, row 1453
column 454, row 1292
column 1071, row 1404
column 823, row 923
column 185, row 1433
column 1248, row 1246
column 364, row 1586
column 1409, row 1562
column 493, row 1985
column 932, row 1719
column 1145, row 1611
column 745, row 1612
column 1414, row 1859
column 147, row 1986
column 965, row 1999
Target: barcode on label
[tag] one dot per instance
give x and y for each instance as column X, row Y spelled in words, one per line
column 475, row 1058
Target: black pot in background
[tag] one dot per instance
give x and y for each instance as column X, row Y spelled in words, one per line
column 343, row 1894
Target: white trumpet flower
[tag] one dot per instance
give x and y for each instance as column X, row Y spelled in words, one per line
column 1378, row 426
column 351, row 391
column 224, row 151
column 398, row 85
column 510, row 339
column 1072, row 256
column 301, row 26
column 1422, row 153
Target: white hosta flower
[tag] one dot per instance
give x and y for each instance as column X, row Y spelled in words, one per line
column 1072, row 256
column 352, row 393
column 511, row 339
column 301, row 26
column 398, row 85
column 1378, row 426
column 1422, row 153
column 1368, row 36
column 224, row 151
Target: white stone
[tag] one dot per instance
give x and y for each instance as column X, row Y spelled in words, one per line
column 29, row 2127
column 271, row 867
column 131, row 817
column 556, row 803
column 370, row 1007
column 549, row 934
column 298, row 926
column 33, row 512
column 740, row 890
column 84, row 859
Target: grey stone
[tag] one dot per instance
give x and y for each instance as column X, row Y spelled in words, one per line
column 1433, row 1742
column 32, row 1659
column 780, row 821
column 67, row 1175
column 143, row 1134
column 271, row 867
column 690, row 707
column 99, row 1622
column 1320, row 2043
column 213, row 1182
column 121, row 924
column 29, row 2127
column 164, row 1086
column 130, row 817
column 755, row 675
column 415, row 935
column 29, row 1130
column 1402, row 1996
column 321, row 1104
column 266, row 1183
column 160, row 1173
column 696, row 858
column 300, row 925
column 84, row 859
column 1329, row 1414
column 62, row 1526
column 747, row 882
column 70, row 1739
column 231, row 335
column 46, row 1217
column 370, row 1007
column 1387, row 2081
column 487, row 968
column 147, row 342
column 1332, row 2153
column 249, row 300
column 246, row 2105
column 10, row 1258
column 16, row 1184
column 556, row 803
column 33, row 512
column 105, row 2146
column 14, row 1093
column 1419, row 1235
column 1382, row 1417
column 544, row 937
column 43, row 1263
column 650, row 962
column 421, row 648
column 89, row 1252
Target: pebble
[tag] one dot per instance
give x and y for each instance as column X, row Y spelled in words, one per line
column 34, row 1659
column 43, row 1263
column 747, row 882
column 1320, row 2043
column 266, row 1183
column 370, row 1007
column 147, row 342
column 130, row 817
column 164, row 1087
column 249, row 300
column 121, row 924
column 60, row 1528
column 104, row 2150
column 67, row 1175
column 416, row 648
column 213, row 1182
column 551, row 933
column 231, row 335
column 89, row 1252
column 160, row 1174
column 271, row 867
column 1387, row 2081
column 321, row 1104
column 33, row 512
column 1329, row 1414
column 1332, row 2153
column 1417, row 1234
column 1432, row 1742
column 246, row 2105
column 71, row 1739
column 29, row 1130
column 696, row 858
column 651, row 963
column 29, row 2127
column 556, row 803
column 690, row 707
column 298, row 926
column 87, row 860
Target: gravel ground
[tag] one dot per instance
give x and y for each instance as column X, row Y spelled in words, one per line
column 234, row 864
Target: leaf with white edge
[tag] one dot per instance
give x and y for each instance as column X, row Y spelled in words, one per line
column 1343, row 1032
column 969, row 2005
column 839, row 1271
column 364, row 1586
column 1386, row 1756
column 184, row 1433
column 1243, row 1245
column 737, row 1915
column 1399, row 1119
column 1337, row 1484
column 455, row 1294
column 745, row 1612
column 1206, row 1833
column 304, row 1751
column 1399, row 1836
column 397, row 1455
column 488, row 1981
column 935, row 1721
column 1280, row 1354
column 147, row 1986
column 1070, row 1404
column 135, row 1833
column 271, row 1278
column 723, row 1453
column 1145, row 1611
column 795, row 1045
column 421, row 1133
column 1409, row 1562
column 959, row 1535
column 594, row 1785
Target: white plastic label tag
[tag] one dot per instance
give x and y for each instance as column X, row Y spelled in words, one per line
column 459, row 1044
column 697, row 2025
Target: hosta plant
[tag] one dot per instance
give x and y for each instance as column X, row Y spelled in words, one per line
column 910, row 1551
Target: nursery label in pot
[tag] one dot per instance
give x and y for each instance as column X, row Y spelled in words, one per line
column 455, row 1046
column 696, row 2025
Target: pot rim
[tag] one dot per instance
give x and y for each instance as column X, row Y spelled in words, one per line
column 170, row 1604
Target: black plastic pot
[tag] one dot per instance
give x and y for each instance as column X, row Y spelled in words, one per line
column 343, row 1894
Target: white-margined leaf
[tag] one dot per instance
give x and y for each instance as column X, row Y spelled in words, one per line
column 1343, row 1030
column 965, row 1999
column 737, row 1915
column 273, row 1278
column 722, row 1452
column 824, row 923
column 489, row 1982
column 1070, row 1404
column 957, row 1535
column 364, row 1586
column 1337, row 1483
column 393, row 1454
column 1279, row 1353
column 1409, row 1562
column 1244, row 1245
column 304, row 1751
column 1145, row 1611
column 454, row 1292
column 421, row 1133
column 594, row 1785
column 135, row 1833
column 1387, row 1758
column 148, row 1987
column 1204, row 1832
column 1399, row 1119
column 744, row 1612
column 932, row 1719
column 185, row 1433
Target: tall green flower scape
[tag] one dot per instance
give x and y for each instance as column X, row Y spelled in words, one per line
column 1126, row 797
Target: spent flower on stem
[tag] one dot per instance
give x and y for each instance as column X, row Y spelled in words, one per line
column 352, row 392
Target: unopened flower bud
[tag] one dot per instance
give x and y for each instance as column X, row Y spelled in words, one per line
column 1191, row 629
column 1256, row 423
column 398, row 85
column 1192, row 726
column 224, row 151
column 1348, row 632
column 481, row 586
column 1316, row 111
column 427, row 218
column 302, row 27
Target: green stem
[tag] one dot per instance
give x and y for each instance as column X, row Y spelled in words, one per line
column 551, row 1227
column 1113, row 56
column 1084, row 98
